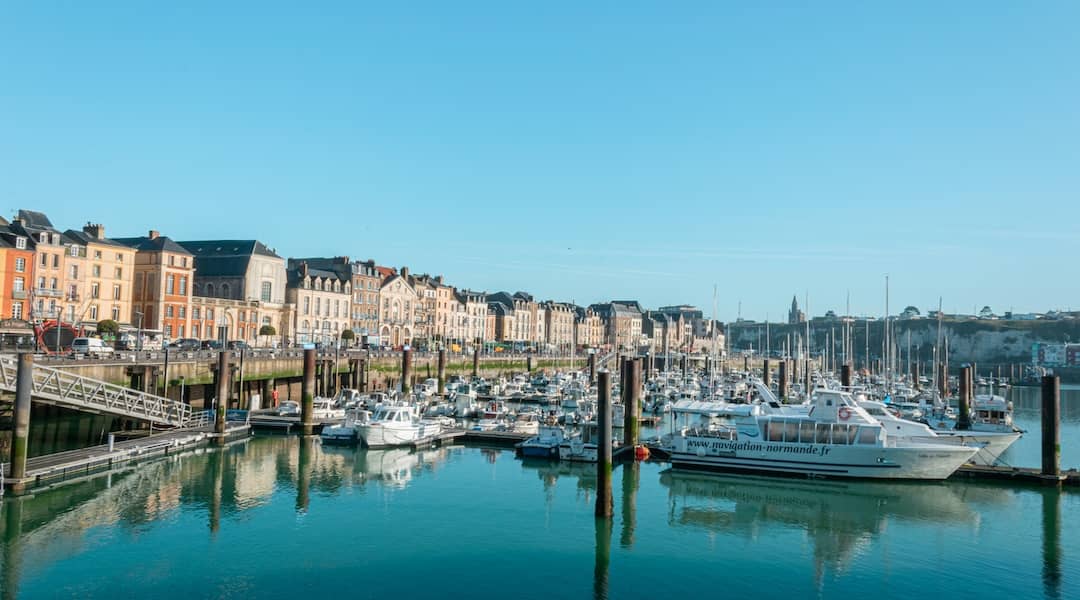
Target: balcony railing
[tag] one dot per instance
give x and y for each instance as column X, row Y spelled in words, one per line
column 18, row 294
column 47, row 292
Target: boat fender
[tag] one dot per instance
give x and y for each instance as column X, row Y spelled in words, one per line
column 844, row 413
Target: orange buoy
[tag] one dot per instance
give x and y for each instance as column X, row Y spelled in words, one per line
column 641, row 453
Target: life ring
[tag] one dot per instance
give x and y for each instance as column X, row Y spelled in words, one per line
column 844, row 413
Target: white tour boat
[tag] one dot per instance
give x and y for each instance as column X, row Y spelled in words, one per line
column 835, row 438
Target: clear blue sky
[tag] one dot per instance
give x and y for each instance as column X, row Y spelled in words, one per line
column 577, row 150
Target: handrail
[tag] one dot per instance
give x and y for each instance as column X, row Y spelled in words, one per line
column 64, row 387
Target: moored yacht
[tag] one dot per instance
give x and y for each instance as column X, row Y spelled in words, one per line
column 395, row 426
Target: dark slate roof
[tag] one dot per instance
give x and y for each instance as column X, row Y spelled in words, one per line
column 158, row 244
column 225, row 258
column 35, row 220
column 83, row 238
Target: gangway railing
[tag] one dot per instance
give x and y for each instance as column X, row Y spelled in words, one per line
column 64, row 388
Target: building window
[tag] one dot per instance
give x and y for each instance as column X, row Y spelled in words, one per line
column 209, row 314
column 119, row 273
column 318, row 305
column 73, row 292
column 116, row 292
column 20, row 265
column 16, row 308
column 94, row 290
column 74, row 271
column 181, row 330
column 115, row 313
column 169, row 311
column 183, row 261
column 96, row 270
column 209, row 290
column 119, row 257
column 168, row 331
column 44, row 260
column 93, row 313
column 195, row 330
column 97, row 254
column 183, row 285
column 74, row 250
column 265, row 294
column 19, row 284
column 183, row 312
column 170, row 284
column 225, row 291
column 172, row 260
column 56, row 261
column 253, row 316
column 195, row 313
column 307, row 305
column 20, row 243
column 52, row 283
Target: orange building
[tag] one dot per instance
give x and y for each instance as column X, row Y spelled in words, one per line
column 16, row 274
column 164, row 274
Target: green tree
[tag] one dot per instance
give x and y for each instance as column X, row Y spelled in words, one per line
column 108, row 327
column 267, row 330
column 347, row 336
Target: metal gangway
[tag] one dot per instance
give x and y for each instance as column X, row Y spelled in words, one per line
column 66, row 389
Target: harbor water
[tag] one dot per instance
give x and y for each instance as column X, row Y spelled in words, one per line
column 286, row 517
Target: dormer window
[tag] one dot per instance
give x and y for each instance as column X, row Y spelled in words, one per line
column 56, row 239
column 44, row 238
column 20, row 243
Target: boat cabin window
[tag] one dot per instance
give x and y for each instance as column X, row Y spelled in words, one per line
column 868, row 435
column 822, row 436
column 806, row 432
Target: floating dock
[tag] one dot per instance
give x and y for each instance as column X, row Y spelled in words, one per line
column 63, row 466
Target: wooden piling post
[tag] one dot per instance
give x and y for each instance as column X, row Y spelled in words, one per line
column 406, row 372
column 1051, row 423
column 307, row 394
column 604, row 502
column 845, row 376
column 476, row 361
column 442, row 371
column 963, row 421
column 224, row 386
column 766, row 372
column 592, row 367
column 631, row 397
column 24, row 386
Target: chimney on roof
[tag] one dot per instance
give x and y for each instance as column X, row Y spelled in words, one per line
column 153, row 234
column 439, row 279
column 94, row 230
column 404, row 272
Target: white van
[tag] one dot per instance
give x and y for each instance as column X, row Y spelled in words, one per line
column 90, row 346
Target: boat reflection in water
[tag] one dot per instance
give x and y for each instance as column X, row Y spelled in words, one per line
column 839, row 518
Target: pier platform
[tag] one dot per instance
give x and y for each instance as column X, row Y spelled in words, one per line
column 1019, row 475
column 62, row 466
column 270, row 422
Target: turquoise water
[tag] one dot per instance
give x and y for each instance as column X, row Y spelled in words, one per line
column 281, row 517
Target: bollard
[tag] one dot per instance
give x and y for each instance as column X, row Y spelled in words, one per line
column 1051, row 422
column 442, row 371
column 592, row 368
column 529, row 364
column 222, row 391
column 363, row 385
column 476, row 363
column 746, row 363
column 604, row 502
column 963, row 421
column 766, row 375
column 406, row 372
column 307, row 394
column 24, row 385
column 845, row 377
column 112, row 441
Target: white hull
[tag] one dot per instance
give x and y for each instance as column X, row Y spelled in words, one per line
column 915, row 461
column 991, row 445
column 384, row 435
column 575, row 451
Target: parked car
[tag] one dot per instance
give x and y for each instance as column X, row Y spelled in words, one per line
column 238, row 345
column 210, row 345
column 185, row 344
column 90, row 347
column 289, row 409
